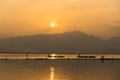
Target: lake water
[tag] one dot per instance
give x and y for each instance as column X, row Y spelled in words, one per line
column 59, row 70
column 58, row 56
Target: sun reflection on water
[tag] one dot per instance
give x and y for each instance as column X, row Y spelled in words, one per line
column 52, row 73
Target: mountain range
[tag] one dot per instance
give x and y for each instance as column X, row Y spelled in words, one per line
column 68, row 42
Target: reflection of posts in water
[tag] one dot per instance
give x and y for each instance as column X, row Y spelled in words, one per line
column 52, row 73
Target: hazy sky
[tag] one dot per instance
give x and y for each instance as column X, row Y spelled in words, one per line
column 26, row 17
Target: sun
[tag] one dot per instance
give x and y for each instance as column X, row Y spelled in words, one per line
column 52, row 25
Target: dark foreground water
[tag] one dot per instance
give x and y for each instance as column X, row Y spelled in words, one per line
column 59, row 70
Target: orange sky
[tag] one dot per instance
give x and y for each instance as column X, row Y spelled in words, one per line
column 26, row 17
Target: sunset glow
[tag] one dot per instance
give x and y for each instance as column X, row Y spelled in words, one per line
column 52, row 25
column 28, row 17
column 59, row 39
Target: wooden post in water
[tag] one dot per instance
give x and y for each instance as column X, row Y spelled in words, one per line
column 26, row 56
column 68, row 58
column 46, row 57
column 112, row 58
column 102, row 58
column 6, row 58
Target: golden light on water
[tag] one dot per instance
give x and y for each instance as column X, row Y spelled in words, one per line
column 53, row 56
column 52, row 73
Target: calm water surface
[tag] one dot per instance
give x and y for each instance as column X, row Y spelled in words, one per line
column 59, row 70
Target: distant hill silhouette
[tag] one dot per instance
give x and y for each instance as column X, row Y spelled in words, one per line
column 68, row 42
column 113, row 45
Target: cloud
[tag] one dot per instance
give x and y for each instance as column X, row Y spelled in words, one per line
column 118, row 21
column 116, row 28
